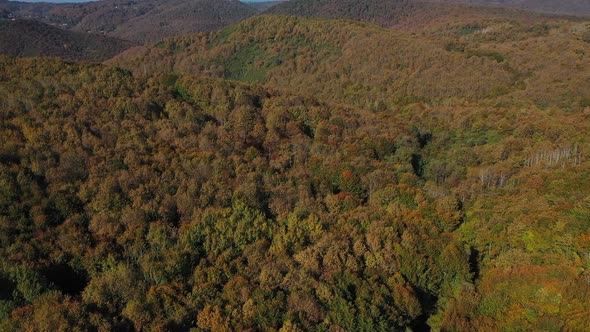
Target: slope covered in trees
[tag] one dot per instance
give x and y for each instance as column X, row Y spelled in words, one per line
column 172, row 202
column 398, row 13
column 572, row 7
column 545, row 62
column 264, row 5
column 177, row 202
column 139, row 21
column 183, row 17
column 299, row 174
column 32, row 38
column 388, row 12
column 385, row 12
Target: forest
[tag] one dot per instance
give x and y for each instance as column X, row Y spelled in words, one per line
column 295, row 173
column 171, row 202
column 370, row 67
column 136, row 21
column 32, row 38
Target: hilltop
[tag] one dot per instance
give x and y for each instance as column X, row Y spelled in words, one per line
column 342, row 61
column 367, row 66
column 174, row 18
column 399, row 13
column 264, row 5
column 571, row 7
column 141, row 21
column 389, row 12
column 384, row 12
column 32, row 38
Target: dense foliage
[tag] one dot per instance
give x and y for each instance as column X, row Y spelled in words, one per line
column 572, row 7
column 403, row 13
column 171, row 203
column 139, row 21
column 168, row 203
column 263, row 5
column 386, row 12
column 31, row 38
column 291, row 174
column 544, row 63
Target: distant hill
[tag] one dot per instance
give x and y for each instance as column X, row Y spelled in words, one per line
column 407, row 13
column 363, row 65
column 391, row 11
column 337, row 60
column 264, row 5
column 140, row 21
column 173, row 18
column 425, row 173
column 572, row 7
column 32, row 38
column 385, row 12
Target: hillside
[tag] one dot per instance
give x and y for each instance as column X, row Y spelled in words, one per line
column 175, row 202
column 32, row 38
column 264, row 5
column 384, row 12
column 181, row 18
column 571, row 7
column 390, row 12
column 401, row 13
column 366, row 66
column 377, row 165
column 141, row 21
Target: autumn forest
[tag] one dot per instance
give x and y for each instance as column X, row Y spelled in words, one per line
column 307, row 165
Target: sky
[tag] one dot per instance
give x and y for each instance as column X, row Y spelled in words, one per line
column 70, row 1
column 53, row 1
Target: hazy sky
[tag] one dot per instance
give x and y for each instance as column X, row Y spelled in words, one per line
column 55, row 1
column 66, row 1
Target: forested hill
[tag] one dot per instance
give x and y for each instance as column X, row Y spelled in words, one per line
column 140, row 21
column 572, row 7
column 32, row 38
column 386, row 12
column 181, row 17
column 398, row 12
column 540, row 62
column 378, row 165
column 392, row 11
column 264, row 5
column 176, row 202
column 171, row 202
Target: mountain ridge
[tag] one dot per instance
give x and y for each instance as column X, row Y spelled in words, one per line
column 33, row 38
column 139, row 21
column 405, row 13
column 351, row 61
column 350, row 8
column 569, row 7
